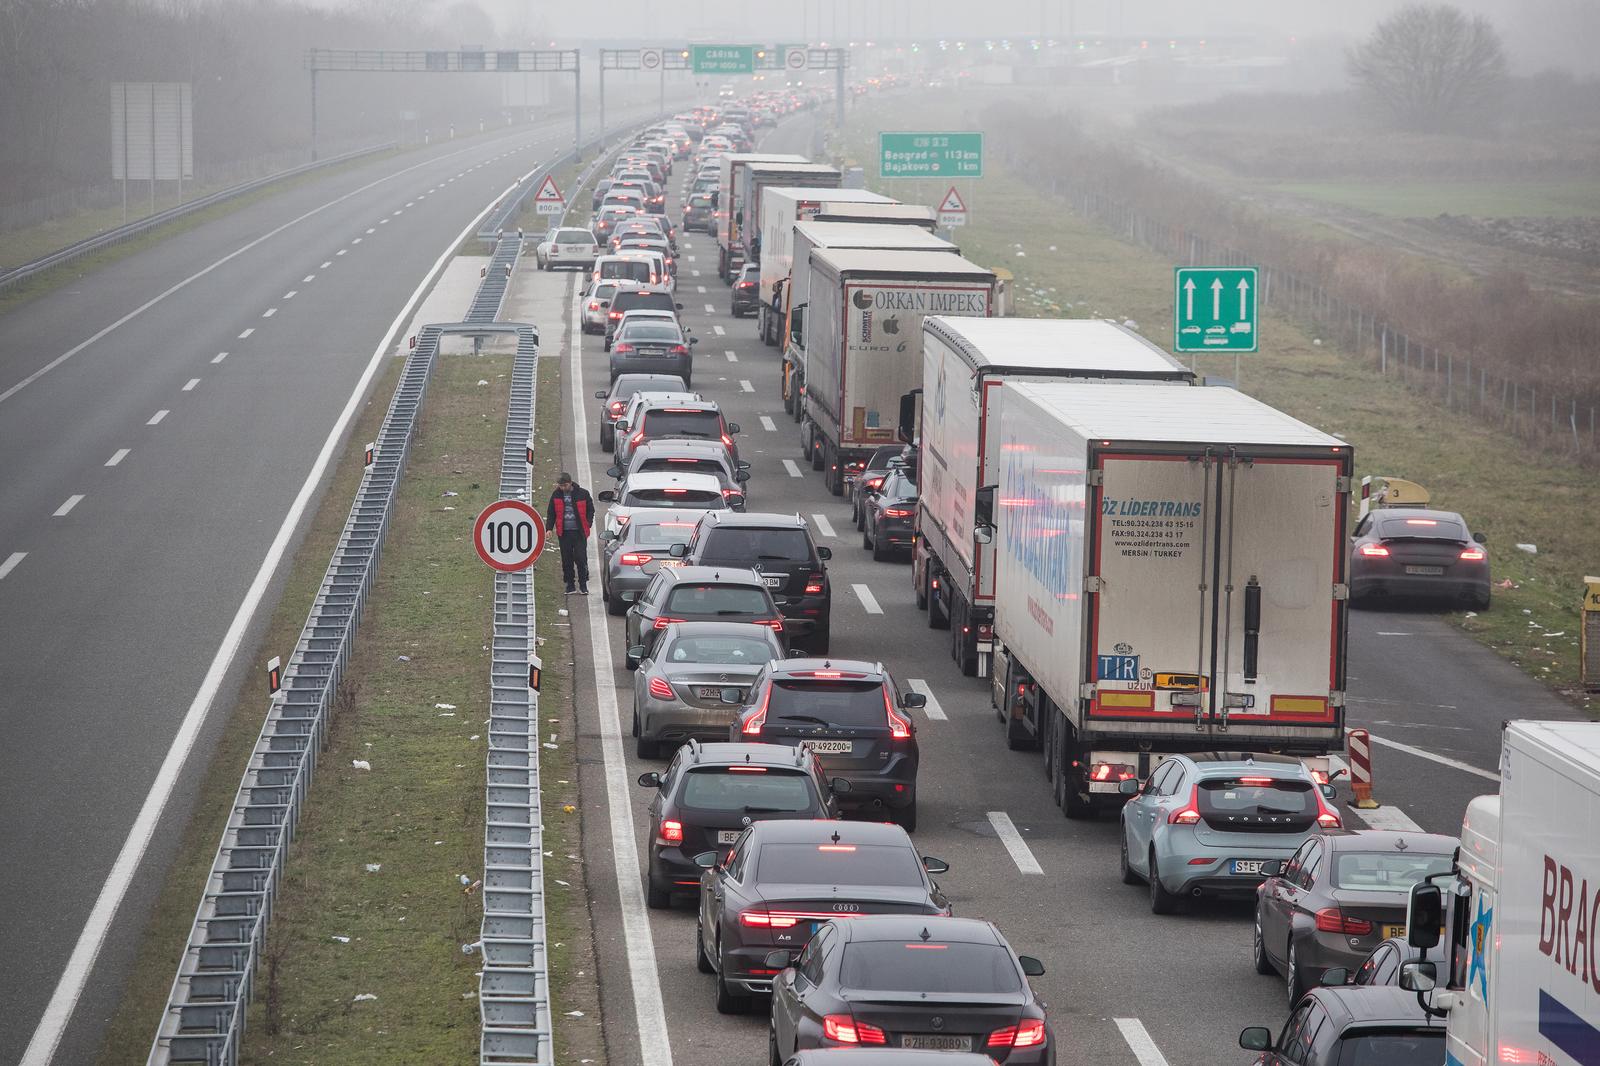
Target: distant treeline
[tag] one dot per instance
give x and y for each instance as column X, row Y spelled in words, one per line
column 246, row 62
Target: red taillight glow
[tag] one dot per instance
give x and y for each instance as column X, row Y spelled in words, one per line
column 846, row 1030
column 1421, row 522
column 813, row 584
column 764, row 920
column 1374, row 550
column 671, row 832
column 1473, row 555
column 663, row 622
column 896, row 512
column 622, row 348
column 661, row 690
column 727, row 441
column 618, row 406
column 747, row 769
column 680, row 349
column 1028, row 1034
column 775, row 624
column 874, row 483
column 594, row 305
column 1333, row 920
column 899, row 725
column 753, row 724
column 1255, row 780
column 635, row 558
column 1326, row 818
column 1189, row 813
column 836, row 847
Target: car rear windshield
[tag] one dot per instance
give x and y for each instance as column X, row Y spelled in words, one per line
column 719, row 600
column 898, row 487
column 654, row 301
column 678, row 466
column 751, row 790
column 757, row 545
column 901, row 966
column 1386, row 871
column 641, row 331
column 1408, row 1047
column 605, row 290
column 574, row 236
column 628, row 269
column 698, row 498
column 720, row 650
column 839, row 864
column 1421, row 529
column 665, row 422
column 848, row 704
column 658, row 534
column 1256, row 801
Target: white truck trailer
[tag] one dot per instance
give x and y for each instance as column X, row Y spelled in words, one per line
column 966, row 363
column 782, row 206
column 726, row 216
column 1171, row 573
column 807, row 238
column 751, row 181
column 895, row 214
column 1522, row 984
column 864, row 344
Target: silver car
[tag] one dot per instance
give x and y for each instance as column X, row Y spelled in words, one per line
column 567, row 247
column 694, row 681
column 638, row 549
column 597, row 302
column 1205, row 824
column 689, row 457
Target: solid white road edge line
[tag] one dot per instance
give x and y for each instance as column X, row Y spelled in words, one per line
column 932, row 710
column 1138, row 1040
column 1442, row 760
column 64, row 1000
column 11, row 563
column 868, row 600
column 654, row 1046
column 1018, row 848
column 824, row 526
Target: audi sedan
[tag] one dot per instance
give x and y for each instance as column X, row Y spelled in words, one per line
column 1411, row 552
column 783, row 881
column 939, row 984
column 692, row 683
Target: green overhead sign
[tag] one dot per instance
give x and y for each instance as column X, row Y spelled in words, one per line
column 723, row 59
column 1214, row 309
column 930, row 155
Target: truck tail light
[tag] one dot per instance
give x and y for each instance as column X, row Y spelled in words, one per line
column 661, row 690
column 671, row 832
column 1189, row 813
column 1111, row 771
column 1333, row 920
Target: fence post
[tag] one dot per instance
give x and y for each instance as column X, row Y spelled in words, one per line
column 1450, row 381
column 1383, row 352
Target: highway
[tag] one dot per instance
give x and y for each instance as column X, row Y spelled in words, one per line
column 1124, row 985
column 167, row 420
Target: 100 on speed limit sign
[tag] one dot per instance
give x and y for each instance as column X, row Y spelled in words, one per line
column 508, row 535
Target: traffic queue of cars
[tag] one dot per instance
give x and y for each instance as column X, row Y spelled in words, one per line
column 790, row 787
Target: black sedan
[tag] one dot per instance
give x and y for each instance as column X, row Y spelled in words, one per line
column 782, row 881
column 1354, row 1025
column 746, row 291
column 941, row 984
column 1412, row 553
column 891, row 514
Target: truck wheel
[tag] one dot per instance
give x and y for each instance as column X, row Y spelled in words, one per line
column 1047, row 744
column 964, row 646
column 880, row 554
column 937, row 619
column 819, row 450
column 922, row 589
column 806, row 430
column 1017, row 738
column 1073, row 805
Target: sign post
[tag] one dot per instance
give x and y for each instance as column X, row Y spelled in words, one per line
column 548, row 200
column 952, row 210
column 930, row 155
column 1214, row 310
column 508, row 535
column 723, row 59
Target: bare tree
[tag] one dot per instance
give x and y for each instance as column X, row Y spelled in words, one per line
column 1431, row 67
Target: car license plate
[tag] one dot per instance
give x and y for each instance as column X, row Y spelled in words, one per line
column 670, row 562
column 829, row 747
column 772, row 581
column 1390, row 931
column 1425, row 571
column 936, row 1042
column 1247, row 866
column 713, row 692
column 728, row 836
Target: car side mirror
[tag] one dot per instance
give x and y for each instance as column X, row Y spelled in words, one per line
column 650, row 780
column 777, row 960
column 1328, row 792
column 1419, row 976
column 1272, row 868
column 706, row 860
column 824, row 553
column 601, row 394
column 983, row 534
column 913, row 699
column 606, row 496
column 614, row 471
column 1031, row 966
column 605, row 304
column 840, row 786
column 1128, row 786
column 731, row 696
column 1335, row 977
column 733, row 429
column 608, row 535
column 678, row 551
column 694, row 340
column 797, row 653
column 1481, row 538
column 741, row 476
column 935, row 866
column 1256, row 1038
column 635, row 656
column 1424, row 915
column 678, row 306
column 621, row 425
column 742, row 464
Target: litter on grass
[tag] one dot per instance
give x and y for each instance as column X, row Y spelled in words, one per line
column 361, row 764
column 364, row 997
column 444, row 706
column 374, row 867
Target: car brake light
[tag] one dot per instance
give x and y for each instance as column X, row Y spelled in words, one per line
column 1421, row 522
column 1327, row 819
column 620, row 348
column 637, row 437
column 1319, row 776
column 1374, row 550
column 635, row 558
column 617, row 407
column 896, row 512
column 764, row 920
column 776, row 624
column 680, row 349
column 661, row 690
column 899, row 726
column 1472, row 555
column 727, row 441
column 747, row 769
column 1028, row 1034
column 814, row 585
column 753, row 724
column 671, row 832
column 874, row 483
column 1255, row 780
column 846, row 1030
column 1189, row 813
column 664, row 621
column 594, row 305
column 1333, row 920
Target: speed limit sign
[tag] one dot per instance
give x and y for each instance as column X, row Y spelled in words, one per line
column 650, row 59
column 508, row 535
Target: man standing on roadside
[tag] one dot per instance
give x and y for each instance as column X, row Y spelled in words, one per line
column 570, row 515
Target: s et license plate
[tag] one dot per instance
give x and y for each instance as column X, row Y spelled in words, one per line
column 829, row 747
column 1246, row 866
column 1425, row 571
column 936, row 1042
column 727, row 836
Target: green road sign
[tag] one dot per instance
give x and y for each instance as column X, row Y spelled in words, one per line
column 1214, row 309
column 930, row 155
column 723, row 59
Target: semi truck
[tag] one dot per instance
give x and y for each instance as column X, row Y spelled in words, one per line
column 807, row 238
column 749, row 181
column 1521, row 909
column 727, row 216
column 1170, row 567
column 864, row 344
column 781, row 207
column 966, row 364
column 896, row 214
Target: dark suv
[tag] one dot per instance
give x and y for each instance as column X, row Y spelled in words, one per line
column 695, row 593
column 710, row 792
column 856, row 720
column 780, row 549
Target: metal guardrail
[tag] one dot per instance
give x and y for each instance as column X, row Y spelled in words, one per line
column 138, row 227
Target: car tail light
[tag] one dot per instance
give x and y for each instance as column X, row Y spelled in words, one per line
column 618, row 406
column 854, row 466
column 621, row 348
column 846, row 1030
column 637, row 437
column 766, row 920
column 727, row 441
column 896, row 512
column 671, row 832
column 1473, row 555
column 1374, row 550
column 1255, row 780
column 776, row 624
column 1327, row 819
column 664, row 621
column 874, row 483
column 680, row 349
column 1028, row 1034
column 618, row 314
column 814, row 585
column 1189, row 813
column 594, row 305
column 753, row 724
column 747, row 284
column 661, row 690
column 899, row 725
column 635, row 558
column 1333, row 920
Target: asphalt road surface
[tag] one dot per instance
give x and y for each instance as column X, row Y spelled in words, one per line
column 1124, row 986
column 162, row 420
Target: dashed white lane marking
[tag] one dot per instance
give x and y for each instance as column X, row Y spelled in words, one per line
column 1392, row 819
column 824, row 526
column 768, row 424
column 219, row 357
column 341, row 251
column 869, row 602
column 326, row 265
column 700, row 288
column 745, row 386
column 794, row 471
column 695, row 273
column 1392, row 633
column 308, row 279
column 357, row 241
column 11, row 563
column 269, row 312
column 371, row 230
column 733, row 356
column 66, row 508
column 689, row 258
column 932, row 710
column 246, row 334
column 156, row 418
column 411, row 203
column 1015, row 846
column 710, row 308
column 383, row 222
column 397, row 212
column 719, row 331
column 117, row 456
column 1138, row 1040
column 291, row 294
column 190, row 384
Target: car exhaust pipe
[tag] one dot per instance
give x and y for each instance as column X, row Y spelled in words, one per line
column 1195, row 892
